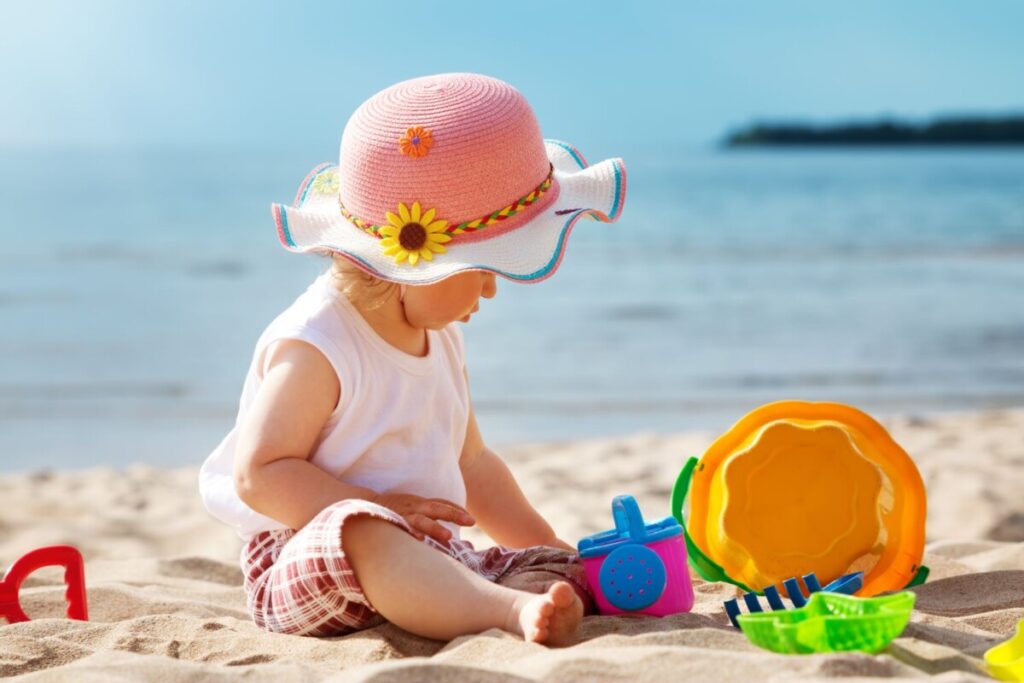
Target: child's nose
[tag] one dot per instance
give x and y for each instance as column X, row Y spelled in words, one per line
column 490, row 286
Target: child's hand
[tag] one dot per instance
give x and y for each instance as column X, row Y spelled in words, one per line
column 422, row 514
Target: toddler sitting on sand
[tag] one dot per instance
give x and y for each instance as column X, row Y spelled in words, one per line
column 356, row 456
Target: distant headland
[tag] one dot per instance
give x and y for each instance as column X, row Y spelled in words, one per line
column 1006, row 130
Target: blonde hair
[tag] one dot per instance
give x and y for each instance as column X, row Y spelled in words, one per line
column 358, row 286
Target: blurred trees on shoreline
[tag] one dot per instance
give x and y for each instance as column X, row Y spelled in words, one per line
column 1007, row 130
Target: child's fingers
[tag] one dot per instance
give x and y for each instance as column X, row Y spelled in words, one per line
column 435, row 508
column 428, row 526
column 445, row 501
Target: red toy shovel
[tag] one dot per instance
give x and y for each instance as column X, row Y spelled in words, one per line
column 54, row 555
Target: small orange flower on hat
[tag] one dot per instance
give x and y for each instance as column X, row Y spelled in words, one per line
column 416, row 142
column 413, row 234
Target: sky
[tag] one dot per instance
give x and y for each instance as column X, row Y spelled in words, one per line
column 602, row 75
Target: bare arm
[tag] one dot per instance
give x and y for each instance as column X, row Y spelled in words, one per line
column 494, row 498
column 273, row 474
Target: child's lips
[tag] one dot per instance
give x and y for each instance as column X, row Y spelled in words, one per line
column 466, row 317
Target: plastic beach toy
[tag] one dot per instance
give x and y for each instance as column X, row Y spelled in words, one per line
column 797, row 487
column 1006, row 661
column 831, row 622
column 55, row 555
column 638, row 568
column 846, row 584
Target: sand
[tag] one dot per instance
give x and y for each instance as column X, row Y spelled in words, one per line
column 166, row 602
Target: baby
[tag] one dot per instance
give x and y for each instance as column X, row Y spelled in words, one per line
column 356, row 456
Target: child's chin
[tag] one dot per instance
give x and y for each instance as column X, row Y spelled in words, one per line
column 438, row 326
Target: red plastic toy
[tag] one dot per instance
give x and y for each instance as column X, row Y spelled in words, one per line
column 54, row 555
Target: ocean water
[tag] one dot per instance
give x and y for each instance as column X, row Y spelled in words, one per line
column 133, row 285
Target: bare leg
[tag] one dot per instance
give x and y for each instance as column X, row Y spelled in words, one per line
column 428, row 593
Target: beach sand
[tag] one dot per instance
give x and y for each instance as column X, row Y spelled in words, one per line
column 166, row 601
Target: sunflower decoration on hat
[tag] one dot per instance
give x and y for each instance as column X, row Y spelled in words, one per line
column 448, row 173
column 413, row 235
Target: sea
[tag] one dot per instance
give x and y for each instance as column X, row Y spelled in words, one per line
column 134, row 283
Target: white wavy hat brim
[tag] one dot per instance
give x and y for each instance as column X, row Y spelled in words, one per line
column 528, row 253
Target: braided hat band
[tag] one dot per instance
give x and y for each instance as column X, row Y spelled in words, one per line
column 466, row 226
column 413, row 233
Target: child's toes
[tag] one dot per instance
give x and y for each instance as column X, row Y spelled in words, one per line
column 566, row 614
column 562, row 595
column 551, row 617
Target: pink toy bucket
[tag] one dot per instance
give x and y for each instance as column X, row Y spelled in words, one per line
column 638, row 568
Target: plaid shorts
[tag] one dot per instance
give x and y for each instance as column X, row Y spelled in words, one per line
column 299, row 582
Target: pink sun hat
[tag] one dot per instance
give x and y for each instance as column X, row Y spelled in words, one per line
column 447, row 173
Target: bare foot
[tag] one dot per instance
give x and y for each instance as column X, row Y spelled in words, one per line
column 550, row 618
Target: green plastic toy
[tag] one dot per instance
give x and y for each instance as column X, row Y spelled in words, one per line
column 831, row 622
column 1006, row 661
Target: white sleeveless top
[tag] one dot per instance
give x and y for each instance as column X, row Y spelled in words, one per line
column 399, row 425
